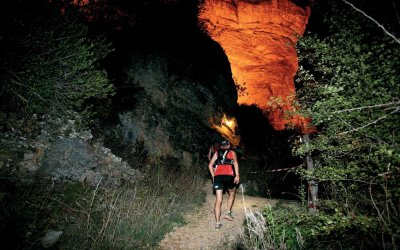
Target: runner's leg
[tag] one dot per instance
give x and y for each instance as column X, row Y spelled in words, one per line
column 217, row 206
column 231, row 198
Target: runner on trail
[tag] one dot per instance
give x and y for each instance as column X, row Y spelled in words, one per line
column 225, row 178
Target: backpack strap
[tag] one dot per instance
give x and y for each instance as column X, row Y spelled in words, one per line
column 225, row 160
column 221, row 158
column 224, row 156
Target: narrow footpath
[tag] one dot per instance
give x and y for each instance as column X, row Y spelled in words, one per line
column 199, row 232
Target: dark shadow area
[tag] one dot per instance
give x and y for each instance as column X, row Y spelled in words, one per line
column 171, row 31
column 266, row 151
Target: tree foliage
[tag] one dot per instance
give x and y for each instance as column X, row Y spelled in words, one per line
column 349, row 83
column 52, row 65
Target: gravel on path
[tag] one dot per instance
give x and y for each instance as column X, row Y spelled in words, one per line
column 200, row 232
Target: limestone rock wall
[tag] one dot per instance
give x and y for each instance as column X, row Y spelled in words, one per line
column 172, row 112
column 259, row 40
column 60, row 150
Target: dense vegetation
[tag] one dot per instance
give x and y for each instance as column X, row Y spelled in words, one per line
column 52, row 59
column 53, row 66
column 349, row 85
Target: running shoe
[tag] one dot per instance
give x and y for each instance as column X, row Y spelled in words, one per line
column 228, row 216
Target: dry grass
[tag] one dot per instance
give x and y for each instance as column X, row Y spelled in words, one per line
column 263, row 232
column 98, row 217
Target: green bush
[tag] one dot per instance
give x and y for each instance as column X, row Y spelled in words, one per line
column 349, row 85
column 53, row 66
column 275, row 228
column 291, row 226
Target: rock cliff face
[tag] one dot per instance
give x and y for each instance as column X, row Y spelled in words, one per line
column 172, row 113
column 259, row 40
column 60, row 150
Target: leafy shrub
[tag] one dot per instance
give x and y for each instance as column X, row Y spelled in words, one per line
column 53, row 66
column 275, row 228
column 291, row 226
column 349, row 85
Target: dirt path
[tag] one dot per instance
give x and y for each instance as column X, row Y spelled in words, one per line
column 199, row 232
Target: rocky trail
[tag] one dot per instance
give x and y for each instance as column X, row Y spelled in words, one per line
column 200, row 233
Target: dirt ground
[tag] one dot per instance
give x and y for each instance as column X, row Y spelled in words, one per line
column 200, row 232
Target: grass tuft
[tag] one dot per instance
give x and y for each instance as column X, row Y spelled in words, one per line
column 99, row 217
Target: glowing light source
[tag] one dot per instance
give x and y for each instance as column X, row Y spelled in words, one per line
column 230, row 123
column 227, row 128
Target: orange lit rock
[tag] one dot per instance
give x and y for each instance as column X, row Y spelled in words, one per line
column 258, row 38
column 227, row 128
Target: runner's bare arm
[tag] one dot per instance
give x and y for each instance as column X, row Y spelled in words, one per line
column 236, row 166
column 211, row 164
column 210, row 151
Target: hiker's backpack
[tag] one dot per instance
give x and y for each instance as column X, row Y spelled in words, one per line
column 224, row 163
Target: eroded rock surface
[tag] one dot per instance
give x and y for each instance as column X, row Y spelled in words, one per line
column 57, row 148
column 259, row 40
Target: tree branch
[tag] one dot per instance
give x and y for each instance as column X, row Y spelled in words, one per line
column 376, row 207
column 366, row 125
column 376, row 22
column 367, row 107
column 20, row 96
